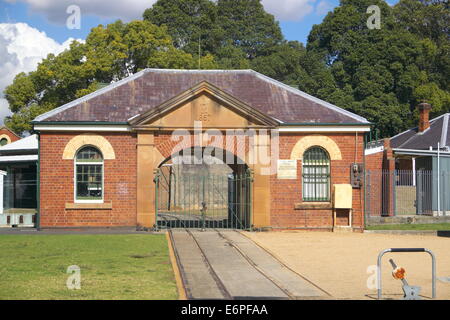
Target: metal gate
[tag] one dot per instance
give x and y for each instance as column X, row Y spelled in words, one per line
column 203, row 201
column 402, row 193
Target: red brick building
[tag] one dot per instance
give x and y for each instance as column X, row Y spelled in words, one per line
column 7, row 136
column 104, row 157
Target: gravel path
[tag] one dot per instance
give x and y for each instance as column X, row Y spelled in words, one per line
column 338, row 263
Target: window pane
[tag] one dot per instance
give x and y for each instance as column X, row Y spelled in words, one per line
column 316, row 175
column 89, row 154
column 89, row 182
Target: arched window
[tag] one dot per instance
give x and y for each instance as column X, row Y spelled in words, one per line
column 3, row 142
column 316, row 175
column 89, row 175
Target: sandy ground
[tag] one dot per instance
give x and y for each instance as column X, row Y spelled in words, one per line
column 340, row 263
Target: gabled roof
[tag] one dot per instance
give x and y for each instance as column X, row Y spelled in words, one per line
column 203, row 87
column 150, row 88
column 6, row 128
column 412, row 139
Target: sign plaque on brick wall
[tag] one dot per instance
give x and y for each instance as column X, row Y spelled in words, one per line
column 287, row 169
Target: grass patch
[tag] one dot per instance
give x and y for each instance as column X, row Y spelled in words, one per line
column 112, row 267
column 429, row 226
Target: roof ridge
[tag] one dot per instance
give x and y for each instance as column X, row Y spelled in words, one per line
column 444, row 130
column 200, row 70
column 312, row 98
column 90, row 96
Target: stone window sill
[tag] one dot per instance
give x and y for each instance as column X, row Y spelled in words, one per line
column 89, row 206
column 313, row 206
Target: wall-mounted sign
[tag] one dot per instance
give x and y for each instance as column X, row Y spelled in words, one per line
column 287, row 169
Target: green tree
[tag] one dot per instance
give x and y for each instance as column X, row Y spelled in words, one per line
column 248, row 26
column 188, row 22
column 217, row 27
column 383, row 73
column 110, row 53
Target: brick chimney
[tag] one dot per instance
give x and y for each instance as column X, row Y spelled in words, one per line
column 424, row 120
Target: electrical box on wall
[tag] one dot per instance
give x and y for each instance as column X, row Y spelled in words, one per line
column 356, row 175
column 343, row 196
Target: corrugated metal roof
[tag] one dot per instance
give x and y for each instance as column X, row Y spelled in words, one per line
column 151, row 87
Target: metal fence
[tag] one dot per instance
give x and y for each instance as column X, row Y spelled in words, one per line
column 203, row 199
column 407, row 192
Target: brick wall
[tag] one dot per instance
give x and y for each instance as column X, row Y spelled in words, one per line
column 167, row 147
column 379, row 177
column 57, row 187
column 57, row 184
column 11, row 135
column 287, row 193
column 383, row 160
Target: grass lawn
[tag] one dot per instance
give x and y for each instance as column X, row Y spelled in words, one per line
column 112, row 267
column 430, row 226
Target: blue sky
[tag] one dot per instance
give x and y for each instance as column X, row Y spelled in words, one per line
column 13, row 12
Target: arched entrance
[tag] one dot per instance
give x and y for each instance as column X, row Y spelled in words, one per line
column 197, row 188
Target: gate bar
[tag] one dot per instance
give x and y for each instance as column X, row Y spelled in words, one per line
column 156, row 181
column 433, row 266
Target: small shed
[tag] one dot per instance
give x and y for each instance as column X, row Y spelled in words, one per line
column 425, row 152
column 18, row 182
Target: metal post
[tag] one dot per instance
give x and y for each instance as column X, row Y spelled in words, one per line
column 203, row 204
column 156, row 180
column 368, row 194
column 438, row 180
column 394, row 192
column 250, row 174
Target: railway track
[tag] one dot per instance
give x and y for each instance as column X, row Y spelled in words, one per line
column 247, row 259
column 211, row 271
column 255, row 266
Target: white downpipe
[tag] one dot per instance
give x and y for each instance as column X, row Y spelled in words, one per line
column 438, row 180
column 2, row 175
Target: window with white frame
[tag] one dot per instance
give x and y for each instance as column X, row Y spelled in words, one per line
column 316, row 175
column 89, row 175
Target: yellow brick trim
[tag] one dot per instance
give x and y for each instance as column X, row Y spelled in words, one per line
column 316, row 140
column 6, row 137
column 95, row 140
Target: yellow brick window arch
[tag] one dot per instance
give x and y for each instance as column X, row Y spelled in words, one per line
column 316, row 140
column 4, row 140
column 98, row 141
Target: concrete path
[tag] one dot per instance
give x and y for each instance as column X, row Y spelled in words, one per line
column 227, row 265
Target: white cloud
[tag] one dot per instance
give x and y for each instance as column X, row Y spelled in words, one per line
column 289, row 10
column 323, row 8
column 21, row 48
column 55, row 10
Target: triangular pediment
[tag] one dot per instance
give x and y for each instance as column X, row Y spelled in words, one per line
column 206, row 103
